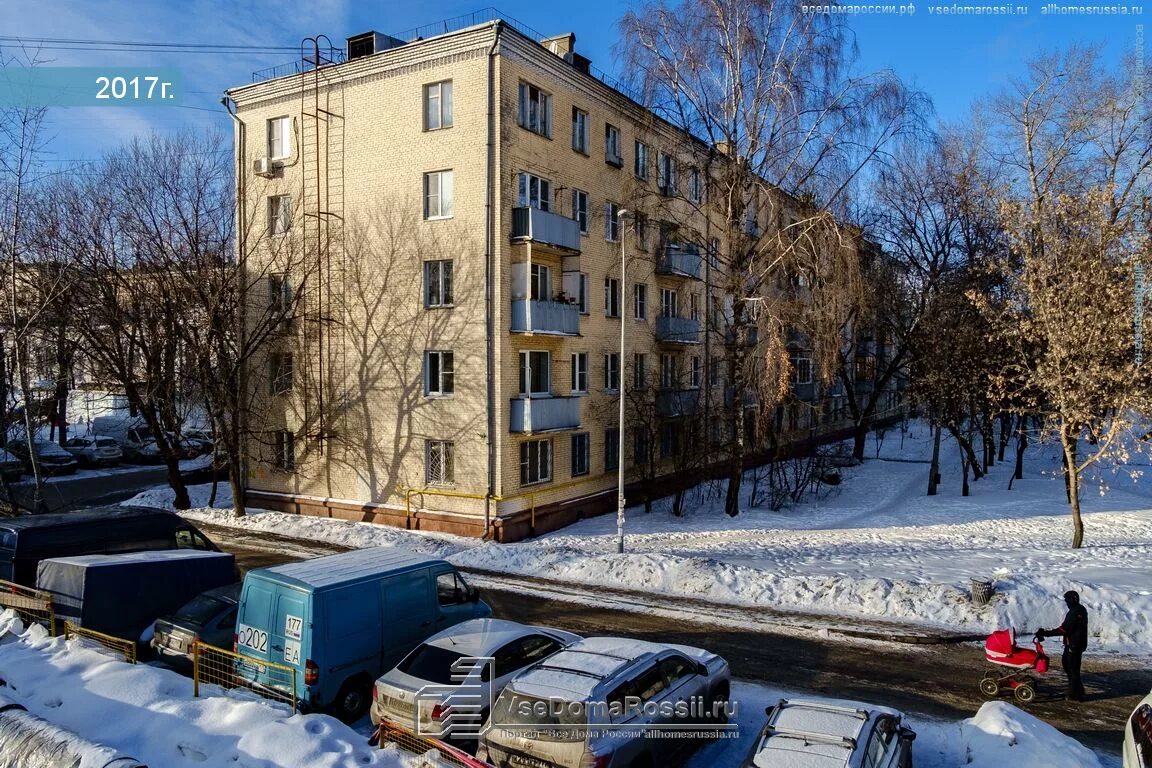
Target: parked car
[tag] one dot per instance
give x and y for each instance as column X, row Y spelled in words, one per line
column 1138, row 736
column 52, row 459
column 94, row 451
column 209, row 618
column 203, row 439
column 511, row 646
column 26, row 540
column 593, row 703
column 340, row 621
column 831, row 732
column 11, row 466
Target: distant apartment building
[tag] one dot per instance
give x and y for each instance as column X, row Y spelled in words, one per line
column 446, row 213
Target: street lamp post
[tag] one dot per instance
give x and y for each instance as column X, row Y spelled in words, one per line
column 620, row 387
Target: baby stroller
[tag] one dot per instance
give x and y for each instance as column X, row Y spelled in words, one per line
column 1000, row 649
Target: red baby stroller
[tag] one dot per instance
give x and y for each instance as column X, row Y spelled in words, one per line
column 1000, row 649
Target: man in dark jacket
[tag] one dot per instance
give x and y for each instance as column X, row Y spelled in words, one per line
column 1075, row 633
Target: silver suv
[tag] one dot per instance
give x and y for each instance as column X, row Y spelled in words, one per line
column 608, row 703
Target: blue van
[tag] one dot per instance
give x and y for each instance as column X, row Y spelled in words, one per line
column 340, row 621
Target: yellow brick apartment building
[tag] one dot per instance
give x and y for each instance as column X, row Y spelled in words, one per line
column 446, row 211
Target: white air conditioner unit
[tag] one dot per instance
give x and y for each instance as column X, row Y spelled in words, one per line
column 264, row 166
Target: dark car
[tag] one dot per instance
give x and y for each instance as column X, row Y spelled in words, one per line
column 53, row 459
column 209, row 617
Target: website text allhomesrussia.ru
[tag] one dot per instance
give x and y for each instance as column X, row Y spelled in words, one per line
column 956, row 9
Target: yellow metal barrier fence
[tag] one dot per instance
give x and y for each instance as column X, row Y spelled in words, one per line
column 33, row 605
column 228, row 669
column 429, row 753
column 98, row 640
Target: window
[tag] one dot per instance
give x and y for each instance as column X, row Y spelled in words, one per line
column 640, row 447
column 640, row 227
column 438, row 373
column 611, row 449
column 640, row 301
column 639, row 370
column 714, row 373
column 438, row 283
column 611, row 222
column 439, row 466
column 450, row 589
column 281, row 373
column 612, row 371
column 865, row 368
column 580, row 209
column 535, row 110
column 438, row 105
column 714, row 252
column 640, row 163
column 695, row 192
column 279, row 294
column 284, row 451
column 580, row 454
column 611, row 297
column 582, row 294
column 580, row 130
column 541, row 282
column 535, row 192
column 580, row 372
column 612, row 145
column 674, row 669
column 668, row 303
column 666, row 174
column 280, row 138
column 438, row 195
column 535, row 373
column 801, row 369
column 279, row 214
column 535, row 462
column 694, row 306
column 669, row 439
column 668, row 371
column 694, row 375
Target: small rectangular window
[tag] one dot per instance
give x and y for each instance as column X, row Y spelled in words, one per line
column 281, row 373
column 540, row 283
column 694, row 377
column 438, row 283
column 612, row 154
column 668, row 303
column 439, row 462
column 580, row 454
column 579, row 372
column 612, row 372
column 641, row 451
column 580, row 209
column 668, row 371
column 611, row 297
column 535, row 110
column 580, row 130
column 612, row 222
column 284, row 451
column 640, row 166
column 279, row 295
column 669, row 439
column 438, row 105
column 640, row 301
column 695, row 191
column 611, row 449
column 666, row 172
column 801, row 369
column 535, row 373
column 582, row 298
column 439, row 373
column 534, row 192
column 438, row 194
column 279, row 214
column 639, row 370
column 280, row 138
column 535, row 462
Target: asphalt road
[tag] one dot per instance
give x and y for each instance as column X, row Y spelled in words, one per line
column 94, row 488
column 937, row 681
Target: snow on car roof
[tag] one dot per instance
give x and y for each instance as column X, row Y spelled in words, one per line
column 480, row 637
column 580, row 668
column 799, row 724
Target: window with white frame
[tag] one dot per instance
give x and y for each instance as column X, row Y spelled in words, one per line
column 611, row 297
column 541, row 282
column 438, row 373
column 612, row 222
column 579, row 372
column 666, row 172
column 535, row 109
column 581, row 453
column 279, row 294
column 534, row 192
column 580, row 130
column 714, row 372
column 640, row 227
column 694, row 306
column 694, row 373
column 668, row 303
column 640, row 163
column 280, row 373
column 612, row 146
column 535, row 373
column 714, row 252
column 438, row 283
column 668, row 371
column 438, row 105
column 612, row 371
column 640, row 301
column 438, row 195
column 279, row 214
column 535, row 461
column 284, row 451
column 801, row 368
column 280, row 138
column 580, row 209
column 639, row 370
column 611, row 449
column 695, row 190
column 582, row 293
column 439, row 462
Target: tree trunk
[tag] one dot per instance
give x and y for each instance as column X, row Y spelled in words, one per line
column 934, row 467
column 859, row 439
column 1072, row 481
column 234, row 481
column 967, row 450
column 1021, row 445
column 989, row 435
column 964, row 463
column 1005, row 430
column 678, row 503
column 62, row 371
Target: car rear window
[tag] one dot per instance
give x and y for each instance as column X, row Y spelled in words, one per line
column 200, row 609
column 431, row 663
column 106, row 443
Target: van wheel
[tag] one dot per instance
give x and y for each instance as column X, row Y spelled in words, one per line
column 352, row 701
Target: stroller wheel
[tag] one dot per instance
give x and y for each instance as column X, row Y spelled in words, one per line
column 1025, row 693
column 990, row 688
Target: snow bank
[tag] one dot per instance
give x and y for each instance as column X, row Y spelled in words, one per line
column 1000, row 735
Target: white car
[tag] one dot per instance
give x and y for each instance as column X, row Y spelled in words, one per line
column 833, row 733
column 95, row 450
column 1138, row 736
column 418, row 693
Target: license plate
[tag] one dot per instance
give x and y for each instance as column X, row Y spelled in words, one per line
column 250, row 637
column 523, row 761
column 253, row 666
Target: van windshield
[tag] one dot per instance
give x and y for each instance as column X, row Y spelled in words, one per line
column 431, row 663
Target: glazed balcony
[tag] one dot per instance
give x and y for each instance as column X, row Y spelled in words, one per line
column 531, row 415
column 677, row 402
column 679, row 261
column 546, row 228
column 555, row 318
column 677, row 330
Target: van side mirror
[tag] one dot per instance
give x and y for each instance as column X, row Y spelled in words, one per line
column 473, row 594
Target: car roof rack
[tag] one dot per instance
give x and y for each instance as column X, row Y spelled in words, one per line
column 825, row 707
column 811, row 737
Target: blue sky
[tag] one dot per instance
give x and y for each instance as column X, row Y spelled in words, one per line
column 954, row 59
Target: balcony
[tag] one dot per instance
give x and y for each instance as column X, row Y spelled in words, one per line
column 677, row 330
column 679, row 261
column 545, row 317
column 544, row 414
column 751, row 399
column 547, row 228
column 677, row 402
column 751, row 336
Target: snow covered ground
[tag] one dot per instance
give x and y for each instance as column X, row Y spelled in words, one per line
column 877, row 547
column 150, row 713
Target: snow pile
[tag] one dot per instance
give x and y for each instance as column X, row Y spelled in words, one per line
column 1000, row 735
column 150, row 713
